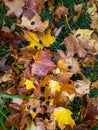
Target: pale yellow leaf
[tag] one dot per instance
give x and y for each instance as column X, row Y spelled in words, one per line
column 54, row 86
column 92, row 8
column 83, row 33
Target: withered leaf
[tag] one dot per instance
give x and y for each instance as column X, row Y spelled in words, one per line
column 14, row 6
column 73, row 47
column 42, row 64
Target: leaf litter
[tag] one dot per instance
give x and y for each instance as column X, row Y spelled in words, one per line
column 48, row 65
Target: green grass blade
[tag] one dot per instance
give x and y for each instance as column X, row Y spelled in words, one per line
column 15, row 96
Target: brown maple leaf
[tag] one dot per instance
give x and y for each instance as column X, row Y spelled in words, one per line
column 42, row 64
column 34, row 24
column 15, row 7
column 73, row 47
column 61, row 10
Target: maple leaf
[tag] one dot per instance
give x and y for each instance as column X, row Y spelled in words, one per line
column 42, row 64
column 54, row 86
column 61, row 10
column 91, row 9
column 29, row 84
column 63, row 117
column 39, row 41
column 77, row 46
column 34, row 24
column 83, row 86
column 14, row 7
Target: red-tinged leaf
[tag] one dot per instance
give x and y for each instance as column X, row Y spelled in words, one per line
column 43, row 64
column 5, row 37
column 29, row 9
column 32, row 7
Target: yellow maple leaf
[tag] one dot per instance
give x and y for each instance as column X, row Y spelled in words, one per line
column 63, row 117
column 54, row 86
column 83, row 33
column 47, row 39
column 39, row 41
column 92, row 8
column 34, row 40
column 29, row 84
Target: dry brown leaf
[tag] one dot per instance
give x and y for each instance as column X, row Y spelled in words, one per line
column 82, row 87
column 34, row 24
column 74, row 47
column 15, row 7
column 61, row 10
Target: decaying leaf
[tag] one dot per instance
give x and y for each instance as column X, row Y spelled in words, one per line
column 63, row 117
column 74, row 47
column 42, row 64
column 15, row 7
column 92, row 8
column 34, row 24
column 82, row 86
column 60, row 11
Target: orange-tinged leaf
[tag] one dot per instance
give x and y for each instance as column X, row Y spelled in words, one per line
column 63, row 117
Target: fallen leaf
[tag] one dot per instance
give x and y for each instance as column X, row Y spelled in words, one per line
column 47, row 39
column 14, row 6
column 82, row 86
column 90, row 112
column 92, row 8
column 54, row 86
column 39, row 41
column 83, row 33
column 29, row 84
column 61, row 10
column 42, row 64
column 74, row 47
column 63, row 117
column 34, row 24
column 32, row 126
column 29, row 9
